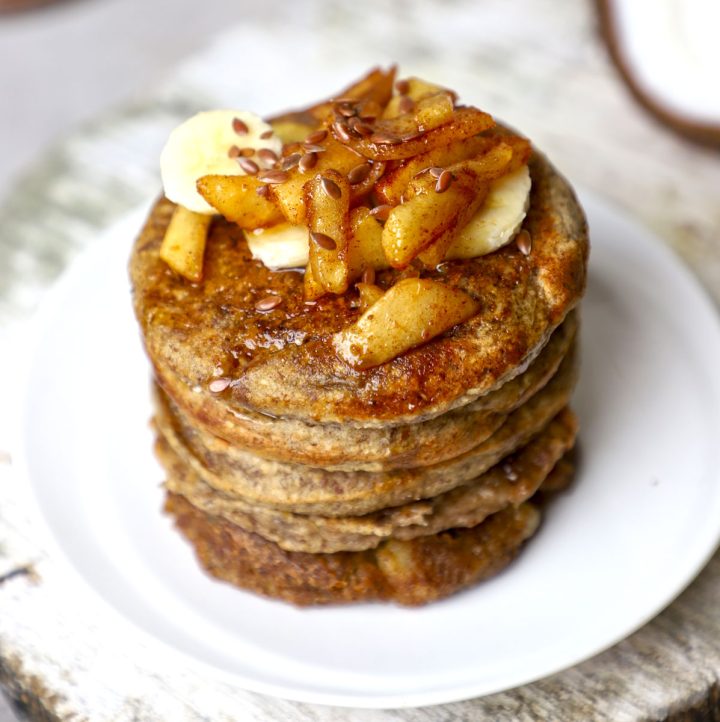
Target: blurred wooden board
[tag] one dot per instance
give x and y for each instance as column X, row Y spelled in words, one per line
column 67, row 655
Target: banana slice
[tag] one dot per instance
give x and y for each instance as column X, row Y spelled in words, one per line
column 499, row 219
column 200, row 146
column 281, row 246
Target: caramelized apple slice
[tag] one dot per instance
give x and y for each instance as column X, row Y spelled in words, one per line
column 289, row 194
column 183, row 247
column 236, row 198
column 327, row 199
column 391, row 187
column 312, row 289
column 363, row 178
column 365, row 249
column 433, row 111
column 410, row 313
column 293, row 128
column 414, row 89
column 370, row 294
column 390, row 142
column 434, row 211
column 486, row 169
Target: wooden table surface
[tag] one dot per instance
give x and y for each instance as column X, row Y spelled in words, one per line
column 539, row 65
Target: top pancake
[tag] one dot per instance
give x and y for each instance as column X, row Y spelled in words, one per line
column 282, row 363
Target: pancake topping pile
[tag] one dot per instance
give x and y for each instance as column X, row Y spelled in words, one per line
column 361, row 321
column 379, row 179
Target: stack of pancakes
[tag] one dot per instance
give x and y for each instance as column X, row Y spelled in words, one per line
column 295, row 476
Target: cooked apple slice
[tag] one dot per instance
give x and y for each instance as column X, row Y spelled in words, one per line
column 312, row 289
column 497, row 221
column 293, row 127
column 410, row 313
column 236, row 198
column 327, row 199
column 415, row 89
column 391, row 187
column 365, row 249
column 416, row 224
column 386, row 143
column 183, row 247
column 434, row 111
column 432, row 215
column 289, row 194
column 370, row 294
column 488, row 168
column 363, row 178
column 376, row 87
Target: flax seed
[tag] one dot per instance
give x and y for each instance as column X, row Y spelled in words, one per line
column 381, row 212
column 218, row 385
column 325, row 242
column 331, row 188
column 346, row 108
column 273, row 176
column 443, row 182
column 239, row 127
column 524, row 242
column 307, row 162
column 313, row 148
column 268, row 303
column 267, row 155
column 341, row 130
column 357, row 126
column 290, row 161
column 316, row 136
column 384, row 138
column 249, row 166
column 358, row 174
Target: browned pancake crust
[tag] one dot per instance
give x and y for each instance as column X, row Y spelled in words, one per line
column 514, row 480
column 303, row 489
column 343, row 446
column 407, row 572
column 282, row 362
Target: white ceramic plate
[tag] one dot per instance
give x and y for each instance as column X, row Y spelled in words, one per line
column 641, row 521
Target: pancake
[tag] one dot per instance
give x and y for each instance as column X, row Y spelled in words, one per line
column 410, row 572
column 407, row 572
column 410, row 456
column 514, row 480
column 303, row 489
column 282, row 363
column 342, row 446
